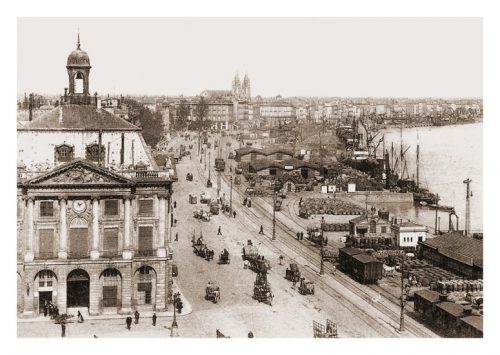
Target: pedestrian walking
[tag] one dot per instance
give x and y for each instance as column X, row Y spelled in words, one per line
column 301, row 235
column 154, row 319
column 136, row 315
column 175, row 204
column 219, row 231
column 63, row 330
column 298, row 235
column 80, row 317
column 176, row 236
column 45, row 309
column 234, row 214
column 128, row 321
column 244, row 201
column 261, row 229
column 281, row 259
column 250, row 334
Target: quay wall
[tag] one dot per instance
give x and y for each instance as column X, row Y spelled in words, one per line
column 375, row 197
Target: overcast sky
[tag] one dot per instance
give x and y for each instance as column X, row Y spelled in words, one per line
column 383, row 57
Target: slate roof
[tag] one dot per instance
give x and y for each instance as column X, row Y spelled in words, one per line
column 264, row 151
column 458, row 247
column 350, row 251
column 78, row 118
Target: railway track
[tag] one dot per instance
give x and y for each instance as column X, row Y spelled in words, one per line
column 376, row 324
column 311, row 255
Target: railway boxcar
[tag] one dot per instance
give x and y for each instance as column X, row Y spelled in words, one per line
column 366, row 269
column 345, row 258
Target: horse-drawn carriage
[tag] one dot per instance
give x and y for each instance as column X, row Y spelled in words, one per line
column 189, row 177
column 193, row 199
column 250, row 251
column 320, row 331
column 293, row 273
column 306, row 287
column 201, row 214
column 212, row 292
column 224, row 257
column 315, row 235
column 214, row 207
column 262, row 289
column 205, row 198
column 260, row 265
column 203, row 251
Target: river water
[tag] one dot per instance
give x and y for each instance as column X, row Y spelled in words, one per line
column 448, row 156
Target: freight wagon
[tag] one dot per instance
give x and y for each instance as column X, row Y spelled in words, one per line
column 345, row 258
column 454, row 319
column 366, row 269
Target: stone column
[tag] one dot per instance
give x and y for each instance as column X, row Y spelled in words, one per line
column 127, row 247
column 29, row 255
column 168, row 229
column 63, row 230
column 95, row 294
column 94, row 254
column 28, row 291
column 161, row 250
column 61, row 290
column 127, row 284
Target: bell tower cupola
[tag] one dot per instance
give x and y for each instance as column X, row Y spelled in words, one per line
column 78, row 66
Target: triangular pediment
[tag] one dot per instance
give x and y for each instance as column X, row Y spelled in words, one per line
column 78, row 173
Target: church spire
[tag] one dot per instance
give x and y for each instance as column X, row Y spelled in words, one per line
column 78, row 40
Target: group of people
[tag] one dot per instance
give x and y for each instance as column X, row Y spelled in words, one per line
column 50, row 309
column 128, row 320
column 300, row 235
column 247, row 201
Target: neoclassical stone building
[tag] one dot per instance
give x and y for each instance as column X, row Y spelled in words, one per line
column 93, row 209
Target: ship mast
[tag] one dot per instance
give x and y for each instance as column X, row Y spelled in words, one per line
column 418, row 163
column 401, row 154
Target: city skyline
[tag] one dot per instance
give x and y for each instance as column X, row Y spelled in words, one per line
column 281, row 73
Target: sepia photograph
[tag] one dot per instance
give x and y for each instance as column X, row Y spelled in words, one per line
column 250, row 177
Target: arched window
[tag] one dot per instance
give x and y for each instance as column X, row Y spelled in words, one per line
column 373, row 227
column 79, row 81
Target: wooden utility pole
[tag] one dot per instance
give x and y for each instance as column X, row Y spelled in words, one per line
column 274, row 212
column 231, row 196
column 418, row 166
column 467, row 206
column 402, row 315
column 436, row 219
column 322, row 265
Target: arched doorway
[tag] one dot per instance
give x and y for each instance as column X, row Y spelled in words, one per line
column 145, row 289
column 45, row 287
column 78, row 288
column 111, row 280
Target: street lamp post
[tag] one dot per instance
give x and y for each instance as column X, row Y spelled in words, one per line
column 322, row 266
column 206, row 158
column 173, row 329
column 209, row 166
column 405, row 289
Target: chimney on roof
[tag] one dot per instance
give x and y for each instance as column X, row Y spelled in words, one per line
column 65, row 95
column 96, row 101
column 30, row 107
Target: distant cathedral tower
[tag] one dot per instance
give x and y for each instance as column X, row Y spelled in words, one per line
column 245, row 89
column 241, row 90
column 236, row 86
column 78, row 66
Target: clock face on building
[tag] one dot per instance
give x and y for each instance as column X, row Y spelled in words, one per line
column 79, row 206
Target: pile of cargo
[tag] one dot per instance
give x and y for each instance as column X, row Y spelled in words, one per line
column 376, row 243
column 427, row 276
column 451, row 286
column 336, row 227
column 310, row 206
